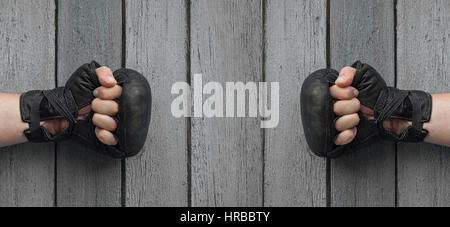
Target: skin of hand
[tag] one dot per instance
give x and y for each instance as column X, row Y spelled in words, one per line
column 104, row 106
column 439, row 126
column 347, row 106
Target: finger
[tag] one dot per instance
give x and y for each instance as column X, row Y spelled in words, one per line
column 346, row 137
column 105, row 76
column 105, row 122
column 367, row 112
column 106, row 93
column 106, row 107
column 106, row 137
column 347, row 122
column 346, row 76
column 347, row 93
column 346, row 107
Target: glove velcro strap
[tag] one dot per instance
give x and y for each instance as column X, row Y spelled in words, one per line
column 414, row 106
column 37, row 106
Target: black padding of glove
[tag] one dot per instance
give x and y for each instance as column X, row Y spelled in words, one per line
column 388, row 103
column 65, row 102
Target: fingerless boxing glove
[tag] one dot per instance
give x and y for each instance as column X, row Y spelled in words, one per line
column 65, row 102
column 387, row 102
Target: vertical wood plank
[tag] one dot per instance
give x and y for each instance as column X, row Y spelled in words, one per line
column 27, row 62
column 226, row 41
column 364, row 30
column 87, row 30
column 295, row 47
column 423, row 64
column 157, row 46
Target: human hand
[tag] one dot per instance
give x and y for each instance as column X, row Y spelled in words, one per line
column 347, row 106
column 103, row 105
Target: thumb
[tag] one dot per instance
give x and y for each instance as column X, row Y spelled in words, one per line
column 106, row 78
column 346, row 77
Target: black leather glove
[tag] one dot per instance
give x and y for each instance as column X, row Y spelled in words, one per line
column 388, row 103
column 65, row 102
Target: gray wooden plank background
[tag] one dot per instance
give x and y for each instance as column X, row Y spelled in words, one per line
column 157, row 44
column 295, row 47
column 225, row 161
column 226, row 41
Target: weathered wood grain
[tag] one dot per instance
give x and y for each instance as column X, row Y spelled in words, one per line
column 227, row 162
column 87, row 30
column 364, row 30
column 295, row 47
column 157, row 46
column 27, row 62
column 423, row 64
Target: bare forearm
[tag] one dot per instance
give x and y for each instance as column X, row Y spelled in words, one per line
column 11, row 125
column 439, row 126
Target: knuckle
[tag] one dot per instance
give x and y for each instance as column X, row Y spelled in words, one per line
column 102, row 138
column 105, row 138
column 336, row 125
column 349, row 93
column 350, row 69
column 357, row 103
column 102, row 92
column 337, row 140
column 115, row 92
column 94, row 104
column 114, row 142
column 348, row 136
column 101, row 71
column 333, row 93
column 118, row 89
column 343, row 138
column 116, row 107
column 104, row 69
column 352, row 137
column 358, row 120
column 347, row 68
column 335, row 108
column 95, row 119
column 101, row 135
column 113, row 126
column 333, row 89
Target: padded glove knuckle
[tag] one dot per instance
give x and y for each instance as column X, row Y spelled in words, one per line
column 64, row 103
column 388, row 103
